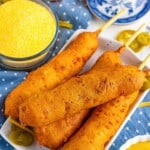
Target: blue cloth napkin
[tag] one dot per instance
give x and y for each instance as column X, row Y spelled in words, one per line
column 74, row 11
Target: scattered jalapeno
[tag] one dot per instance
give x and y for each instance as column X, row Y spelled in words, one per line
column 20, row 136
column 143, row 39
column 146, row 84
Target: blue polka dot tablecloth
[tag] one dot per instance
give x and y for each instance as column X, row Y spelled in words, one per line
column 67, row 10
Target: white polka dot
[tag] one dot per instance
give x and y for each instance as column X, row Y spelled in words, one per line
column 58, row 39
column 5, row 71
column 6, row 88
column 60, row 5
column 24, row 78
column 127, row 128
column 84, row 14
column 64, row 13
column 68, row 32
column 72, row 9
column 48, row 2
column 12, row 83
column 125, row 138
column 79, row 26
column 3, row 79
column 88, row 22
column 141, row 113
column 139, row 121
column 137, row 131
column 53, row 54
column 80, row 7
column 73, row 3
column 15, row 74
column 76, row 17
column 0, row 95
column 113, row 144
column 59, row 31
column 148, row 124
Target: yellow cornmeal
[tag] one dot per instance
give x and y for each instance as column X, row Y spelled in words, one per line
column 26, row 28
column 140, row 146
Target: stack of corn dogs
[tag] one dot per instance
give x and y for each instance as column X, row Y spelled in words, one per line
column 74, row 111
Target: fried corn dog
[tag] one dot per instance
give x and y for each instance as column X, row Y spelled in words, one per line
column 81, row 92
column 108, row 59
column 66, row 64
column 101, row 125
column 56, row 134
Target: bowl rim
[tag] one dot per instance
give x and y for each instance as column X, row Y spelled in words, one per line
column 120, row 21
column 50, row 45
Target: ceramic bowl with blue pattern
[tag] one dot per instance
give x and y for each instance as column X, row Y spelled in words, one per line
column 105, row 9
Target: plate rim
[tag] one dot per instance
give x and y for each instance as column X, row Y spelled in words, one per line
column 123, row 21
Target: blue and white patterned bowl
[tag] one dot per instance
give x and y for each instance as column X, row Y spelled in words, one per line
column 105, row 9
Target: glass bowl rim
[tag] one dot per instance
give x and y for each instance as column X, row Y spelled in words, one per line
column 50, row 45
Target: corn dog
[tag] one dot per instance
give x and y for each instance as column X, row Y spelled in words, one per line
column 64, row 128
column 81, row 92
column 57, row 133
column 66, row 64
column 102, row 124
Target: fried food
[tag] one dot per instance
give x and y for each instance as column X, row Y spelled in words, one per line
column 101, row 125
column 81, row 92
column 65, row 65
column 108, row 59
column 56, row 134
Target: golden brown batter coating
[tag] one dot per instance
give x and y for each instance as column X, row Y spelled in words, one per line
column 101, row 125
column 56, row 134
column 81, row 92
column 65, row 65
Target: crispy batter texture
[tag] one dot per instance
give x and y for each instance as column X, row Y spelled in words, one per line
column 108, row 59
column 81, row 92
column 101, row 125
column 65, row 65
column 56, row 134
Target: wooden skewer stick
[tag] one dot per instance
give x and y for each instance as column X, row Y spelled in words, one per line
column 109, row 22
column 135, row 35
column 145, row 61
column 131, row 39
column 13, row 121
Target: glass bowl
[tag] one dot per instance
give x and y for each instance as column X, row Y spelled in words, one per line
column 33, row 61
